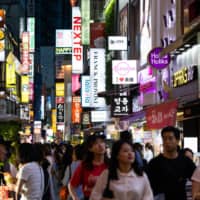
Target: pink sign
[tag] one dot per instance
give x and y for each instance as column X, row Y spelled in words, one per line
column 75, row 82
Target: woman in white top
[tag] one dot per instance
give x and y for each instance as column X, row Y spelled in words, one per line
column 126, row 181
column 30, row 177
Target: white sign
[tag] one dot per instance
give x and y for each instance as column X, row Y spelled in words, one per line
column 100, row 116
column 97, row 76
column 191, row 142
column 117, row 43
column 77, row 48
column 63, row 38
column 124, row 72
column 85, row 91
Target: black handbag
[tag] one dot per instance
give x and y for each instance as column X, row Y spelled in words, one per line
column 107, row 193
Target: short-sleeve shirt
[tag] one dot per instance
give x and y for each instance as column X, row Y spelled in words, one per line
column 33, row 176
column 169, row 176
column 87, row 178
column 196, row 175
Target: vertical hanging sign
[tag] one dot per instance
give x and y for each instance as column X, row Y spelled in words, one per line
column 77, row 49
column 85, row 11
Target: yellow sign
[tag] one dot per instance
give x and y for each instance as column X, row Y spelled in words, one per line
column 24, row 89
column 60, row 89
column 10, row 75
column 53, row 120
column 184, row 76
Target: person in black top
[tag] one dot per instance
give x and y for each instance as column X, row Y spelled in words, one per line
column 169, row 171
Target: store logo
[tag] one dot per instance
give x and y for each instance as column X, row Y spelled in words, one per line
column 156, row 61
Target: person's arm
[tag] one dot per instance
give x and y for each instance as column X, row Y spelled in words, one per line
column 195, row 190
column 18, row 190
column 196, row 184
column 72, row 191
column 75, row 181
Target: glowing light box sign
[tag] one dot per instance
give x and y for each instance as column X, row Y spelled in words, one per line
column 156, row 61
column 77, row 48
column 97, row 76
column 124, row 72
column 85, row 11
column 147, row 80
column 85, row 91
column 63, row 38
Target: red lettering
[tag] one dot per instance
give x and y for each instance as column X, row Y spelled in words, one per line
column 77, row 20
column 77, row 50
column 77, row 35
column 78, row 57
column 77, row 27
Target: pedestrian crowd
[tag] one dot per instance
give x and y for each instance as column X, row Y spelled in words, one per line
column 87, row 172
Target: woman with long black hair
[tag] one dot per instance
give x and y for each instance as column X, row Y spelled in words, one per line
column 124, row 179
column 93, row 164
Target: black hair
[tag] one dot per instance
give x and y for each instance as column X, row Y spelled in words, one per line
column 78, row 150
column 26, row 153
column 88, row 155
column 126, row 135
column 183, row 151
column 172, row 129
column 114, row 161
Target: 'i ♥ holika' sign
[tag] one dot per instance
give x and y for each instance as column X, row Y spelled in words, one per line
column 124, row 72
column 156, row 61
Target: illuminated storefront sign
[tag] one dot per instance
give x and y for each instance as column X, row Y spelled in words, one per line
column 25, row 53
column 10, row 75
column 147, row 80
column 100, row 116
column 76, row 109
column 97, row 37
column 97, row 76
column 121, row 105
column 63, row 50
column 117, row 43
column 75, row 82
column 85, row 91
column 24, row 89
column 53, row 120
column 31, row 30
column 156, row 61
column 60, row 89
column 60, row 109
column 124, row 72
column 184, row 76
column 85, row 11
column 77, row 49
column 63, row 38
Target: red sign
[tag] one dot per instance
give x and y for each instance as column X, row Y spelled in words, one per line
column 76, row 109
column 161, row 115
column 97, row 35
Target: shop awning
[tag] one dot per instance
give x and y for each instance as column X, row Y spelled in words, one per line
column 187, row 38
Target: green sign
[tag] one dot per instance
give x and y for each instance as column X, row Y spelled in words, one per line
column 63, row 50
column 85, row 13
